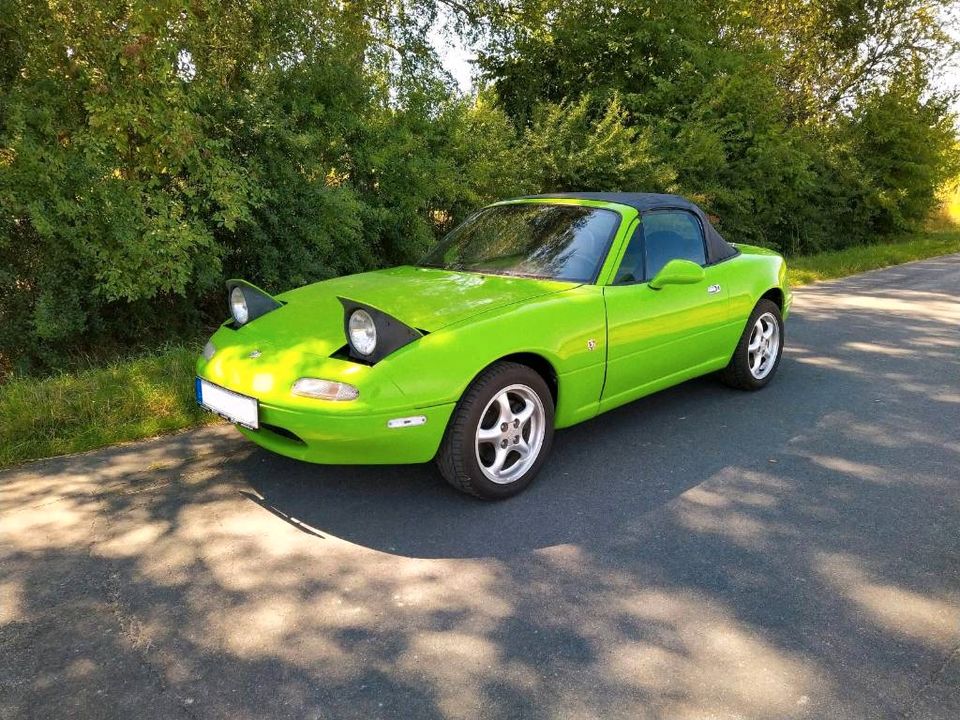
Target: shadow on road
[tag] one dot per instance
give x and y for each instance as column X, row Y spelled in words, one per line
column 703, row 552
column 608, row 473
column 603, row 475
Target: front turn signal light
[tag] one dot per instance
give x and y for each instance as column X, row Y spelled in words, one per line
column 324, row 389
column 209, row 350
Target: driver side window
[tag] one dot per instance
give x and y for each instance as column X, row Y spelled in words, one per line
column 662, row 236
column 669, row 235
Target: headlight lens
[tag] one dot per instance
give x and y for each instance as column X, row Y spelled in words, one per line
column 238, row 306
column 325, row 389
column 363, row 332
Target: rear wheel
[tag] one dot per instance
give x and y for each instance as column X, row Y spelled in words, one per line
column 500, row 432
column 757, row 357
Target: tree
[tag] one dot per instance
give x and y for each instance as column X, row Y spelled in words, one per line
column 149, row 149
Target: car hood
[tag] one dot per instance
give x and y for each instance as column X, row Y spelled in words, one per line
column 424, row 298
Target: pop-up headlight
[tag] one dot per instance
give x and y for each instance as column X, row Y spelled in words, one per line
column 248, row 302
column 372, row 334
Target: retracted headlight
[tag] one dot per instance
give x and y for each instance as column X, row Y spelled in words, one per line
column 248, row 302
column 372, row 334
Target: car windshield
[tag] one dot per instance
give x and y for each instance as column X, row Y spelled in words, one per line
column 558, row 242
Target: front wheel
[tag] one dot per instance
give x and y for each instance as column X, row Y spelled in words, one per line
column 757, row 357
column 500, row 432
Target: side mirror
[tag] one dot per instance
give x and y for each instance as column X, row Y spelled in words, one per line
column 678, row 272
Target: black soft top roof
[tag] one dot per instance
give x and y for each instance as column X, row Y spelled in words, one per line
column 717, row 248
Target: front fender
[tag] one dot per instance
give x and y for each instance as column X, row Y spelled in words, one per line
column 567, row 329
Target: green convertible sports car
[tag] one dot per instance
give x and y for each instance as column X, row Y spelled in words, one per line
column 534, row 314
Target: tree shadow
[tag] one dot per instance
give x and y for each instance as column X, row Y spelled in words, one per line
column 602, row 475
column 703, row 552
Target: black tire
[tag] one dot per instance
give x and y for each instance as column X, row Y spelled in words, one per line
column 737, row 373
column 458, row 455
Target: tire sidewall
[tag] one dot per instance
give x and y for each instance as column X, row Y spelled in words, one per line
column 743, row 357
column 466, row 445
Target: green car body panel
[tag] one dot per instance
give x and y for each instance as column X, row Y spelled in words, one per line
column 599, row 345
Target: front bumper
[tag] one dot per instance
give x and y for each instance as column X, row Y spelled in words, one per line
column 350, row 439
column 335, row 432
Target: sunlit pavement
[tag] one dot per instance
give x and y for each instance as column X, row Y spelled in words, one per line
column 703, row 553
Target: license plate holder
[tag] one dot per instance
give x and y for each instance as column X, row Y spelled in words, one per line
column 240, row 409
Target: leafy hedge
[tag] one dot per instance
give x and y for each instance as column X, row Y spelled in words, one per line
column 151, row 148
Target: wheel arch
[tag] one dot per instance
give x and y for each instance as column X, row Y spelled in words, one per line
column 775, row 295
column 536, row 362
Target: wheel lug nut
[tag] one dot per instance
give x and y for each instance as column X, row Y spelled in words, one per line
column 516, row 440
column 503, row 427
column 516, row 423
column 503, row 443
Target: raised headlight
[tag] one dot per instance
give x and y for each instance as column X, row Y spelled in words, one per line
column 372, row 334
column 238, row 306
column 325, row 389
column 248, row 302
column 363, row 332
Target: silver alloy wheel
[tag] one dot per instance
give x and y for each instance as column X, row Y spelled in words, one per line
column 510, row 434
column 764, row 346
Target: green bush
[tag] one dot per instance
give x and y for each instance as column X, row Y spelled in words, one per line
column 149, row 150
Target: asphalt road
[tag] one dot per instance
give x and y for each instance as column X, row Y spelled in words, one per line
column 703, row 553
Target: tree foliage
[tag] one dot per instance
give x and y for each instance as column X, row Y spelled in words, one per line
column 151, row 148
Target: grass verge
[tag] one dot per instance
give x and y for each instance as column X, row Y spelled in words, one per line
column 849, row 261
column 128, row 399
column 148, row 395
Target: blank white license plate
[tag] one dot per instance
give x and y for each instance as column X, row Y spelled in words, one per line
column 237, row 408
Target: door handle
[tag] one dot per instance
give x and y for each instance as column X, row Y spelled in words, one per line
column 713, row 289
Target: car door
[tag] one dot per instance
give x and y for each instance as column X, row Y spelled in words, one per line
column 656, row 338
